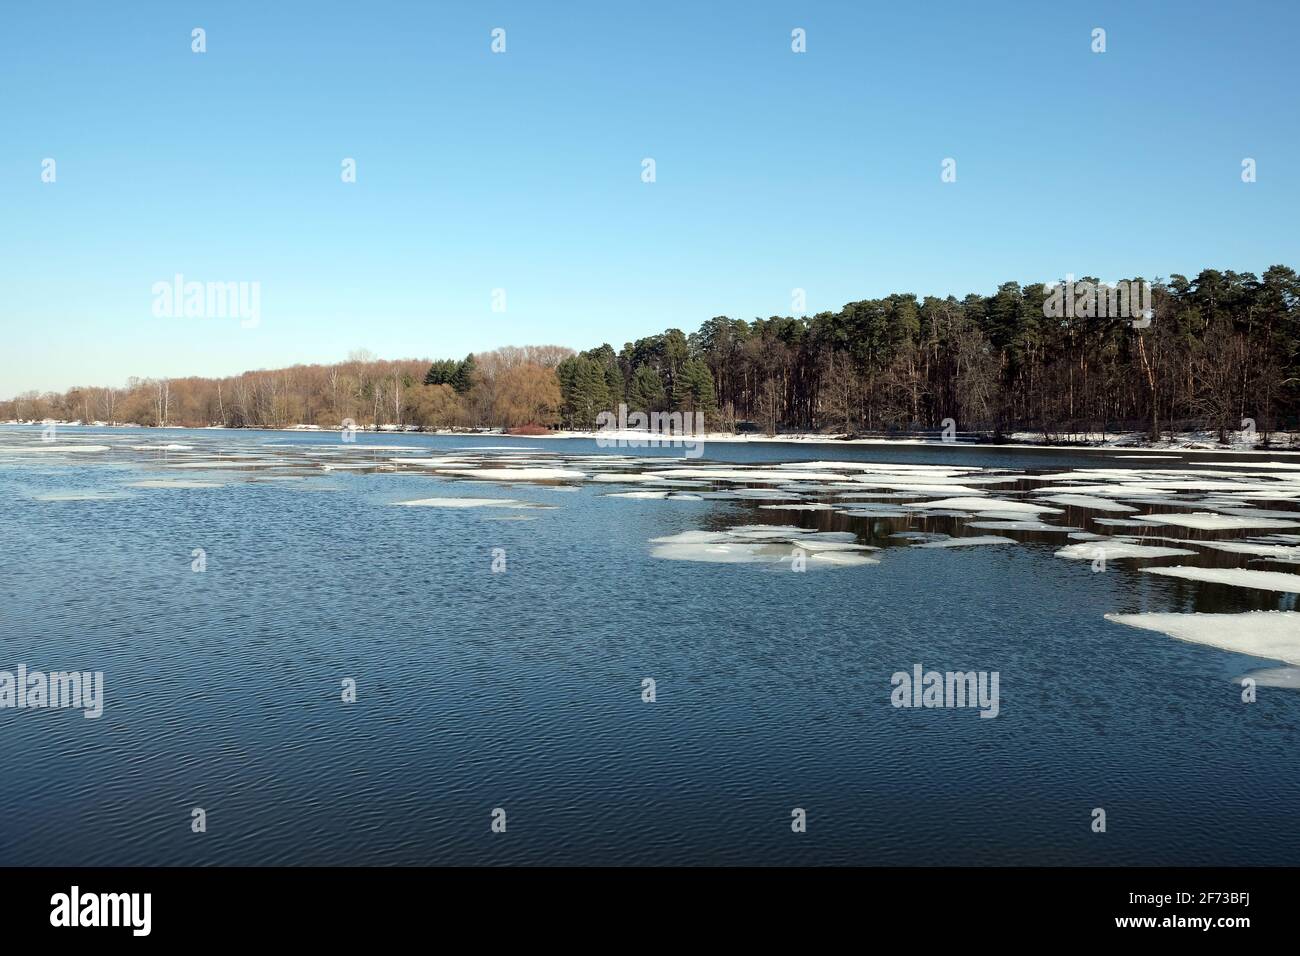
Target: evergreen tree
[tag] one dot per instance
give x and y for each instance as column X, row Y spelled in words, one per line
column 462, row 380
column 647, row 392
column 693, row 390
column 584, row 391
column 608, row 361
column 441, row 372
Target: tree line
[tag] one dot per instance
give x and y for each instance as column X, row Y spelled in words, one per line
column 1213, row 351
column 1217, row 349
column 509, row 386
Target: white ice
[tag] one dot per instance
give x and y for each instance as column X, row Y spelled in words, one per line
column 514, row 474
column 984, row 504
column 1116, row 550
column 1235, row 577
column 1087, row 501
column 1018, row 526
column 468, row 503
column 1274, row 635
column 1204, row 521
column 963, row 542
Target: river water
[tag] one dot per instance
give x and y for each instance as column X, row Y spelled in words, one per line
column 230, row 586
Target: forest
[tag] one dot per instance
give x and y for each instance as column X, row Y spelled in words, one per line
column 1219, row 348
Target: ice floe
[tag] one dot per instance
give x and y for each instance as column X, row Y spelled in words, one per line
column 1205, row 521
column 1012, row 525
column 749, row 544
column 1122, row 522
column 514, row 474
column 1087, row 501
column 921, row 488
column 1263, row 550
column 745, row 474
column 984, row 504
column 1236, row 577
column 179, row 483
column 1113, row 550
column 469, row 503
column 964, row 542
column 1274, row 635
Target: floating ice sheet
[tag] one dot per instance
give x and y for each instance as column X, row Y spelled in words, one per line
column 985, row 504
column 1205, row 521
column 1113, row 550
column 764, row 544
column 1018, row 526
column 1087, row 501
column 742, row 552
column 514, row 474
column 746, row 474
column 174, row 483
column 469, row 503
column 921, row 488
column 964, row 542
column 1274, row 635
column 1278, row 551
column 1235, row 577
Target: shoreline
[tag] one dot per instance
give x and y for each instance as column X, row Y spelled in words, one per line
column 1186, row 443
column 1191, row 443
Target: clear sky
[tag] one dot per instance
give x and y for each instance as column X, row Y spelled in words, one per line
column 523, row 171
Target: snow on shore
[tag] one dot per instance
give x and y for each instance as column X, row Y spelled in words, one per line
column 1183, row 442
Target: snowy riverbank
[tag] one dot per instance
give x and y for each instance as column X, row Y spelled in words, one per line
column 1182, row 443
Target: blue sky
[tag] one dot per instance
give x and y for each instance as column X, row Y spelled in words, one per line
column 522, row 171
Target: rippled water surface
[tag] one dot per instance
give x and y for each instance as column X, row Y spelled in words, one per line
column 521, row 688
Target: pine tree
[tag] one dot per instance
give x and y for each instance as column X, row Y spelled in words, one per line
column 693, row 390
column 584, row 391
column 441, row 372
column 462, row 380
column 647, row 392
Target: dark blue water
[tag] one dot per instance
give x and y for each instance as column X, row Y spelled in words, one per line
column 521, row 690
